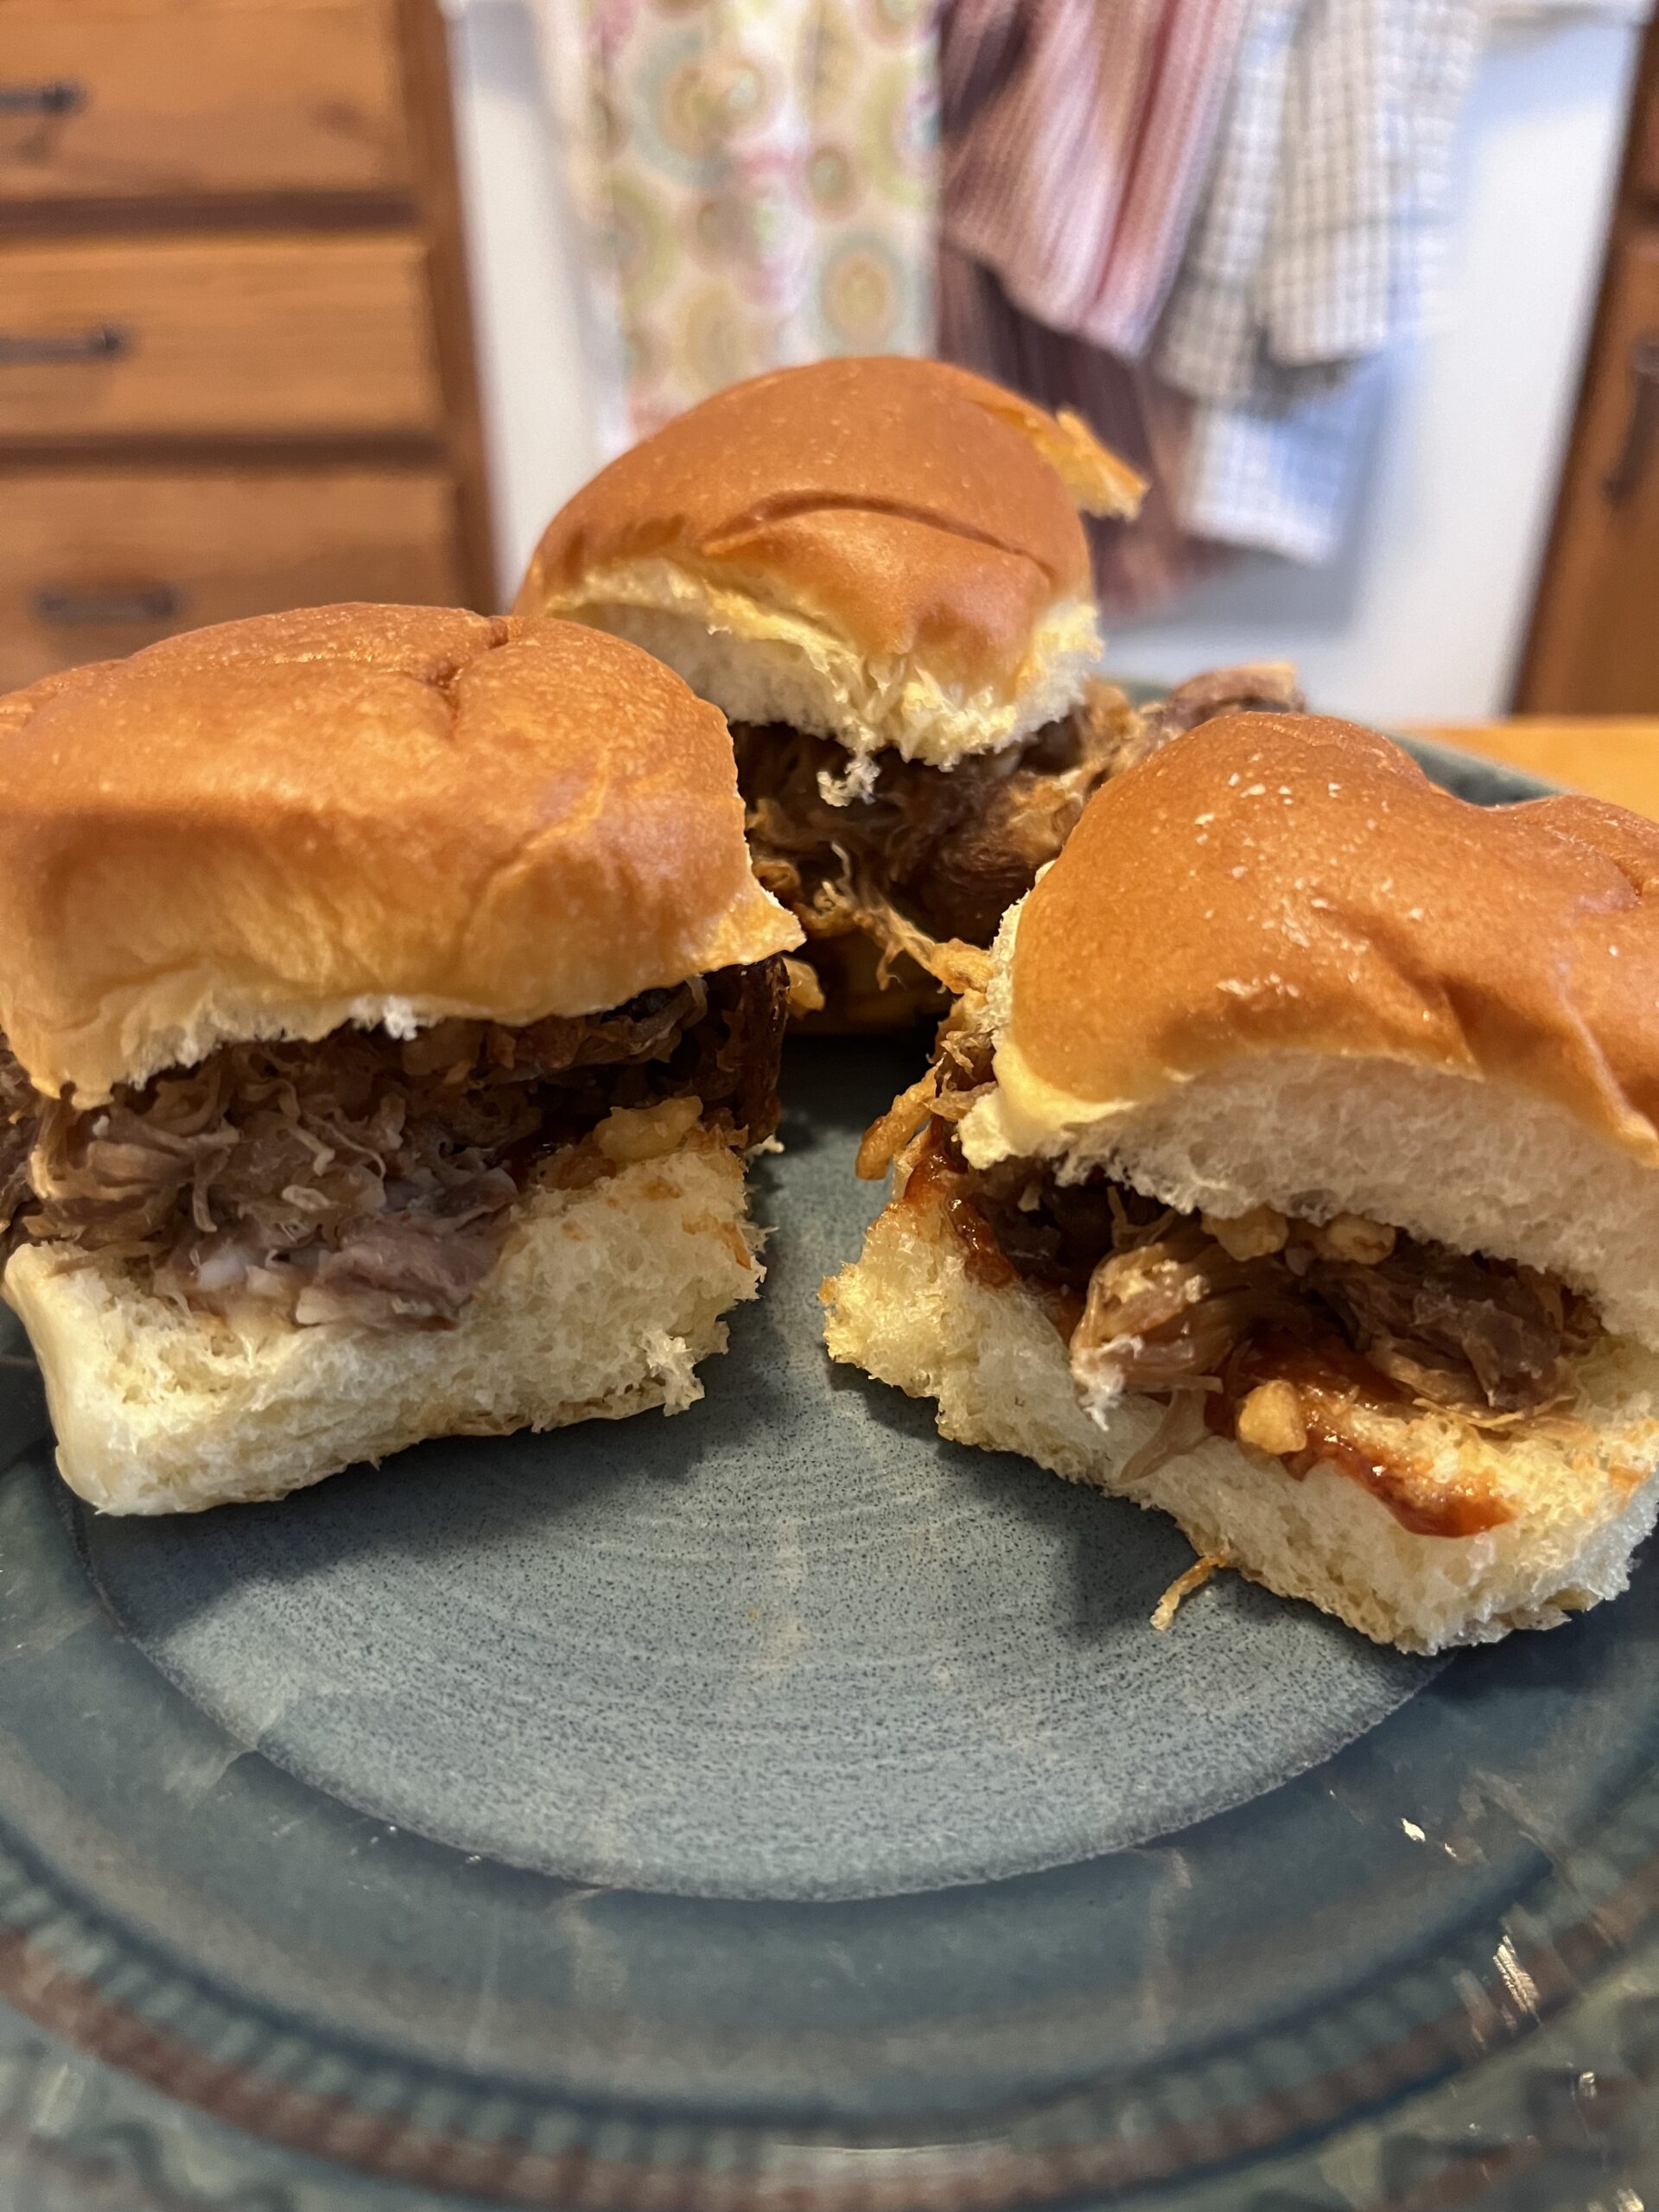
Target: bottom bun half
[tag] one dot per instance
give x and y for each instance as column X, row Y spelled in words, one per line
column 909, row 1313
column 601, row 1303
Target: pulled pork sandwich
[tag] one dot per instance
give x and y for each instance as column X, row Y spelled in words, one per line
column 875, row 569
column 1299, row 1176
column 388, row 1004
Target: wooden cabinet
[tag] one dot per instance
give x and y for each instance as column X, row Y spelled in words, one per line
column 235, row 368
column 1594, row 646
column 124, row 100
column 232, row 336
column 1644, row 174
column 97, row 562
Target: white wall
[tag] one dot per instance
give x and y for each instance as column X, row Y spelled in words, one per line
column 1423, row 617
column 539, row 422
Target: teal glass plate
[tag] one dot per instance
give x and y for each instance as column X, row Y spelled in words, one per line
column 778, row 1806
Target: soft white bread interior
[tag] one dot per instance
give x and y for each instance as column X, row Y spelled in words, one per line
column 763, row 664
column 884, row 551
column 1583, row 1492
column 602, row 1301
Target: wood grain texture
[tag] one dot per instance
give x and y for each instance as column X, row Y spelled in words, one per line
column 214, row 544
column 249, row 335
column 1645, row 165
column 1595, row 640
column 1593, row 643
column 200, row 97
column 424, row 52
column 1610, row 757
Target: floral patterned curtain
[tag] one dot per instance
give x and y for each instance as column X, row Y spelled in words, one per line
column 757, row 183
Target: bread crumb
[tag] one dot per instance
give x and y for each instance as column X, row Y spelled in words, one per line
column 1270, row 1419
column 1249, row 1235
column 634, row 1133
column 856, row 783
column 1351, row 1237
column 1164, row 1612
column 805, row 992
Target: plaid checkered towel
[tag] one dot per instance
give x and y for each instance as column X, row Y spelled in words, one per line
column 1312, row 252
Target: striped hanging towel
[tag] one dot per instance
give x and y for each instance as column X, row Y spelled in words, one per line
column 1077, row 143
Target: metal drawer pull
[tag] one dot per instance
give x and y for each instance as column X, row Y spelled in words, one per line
column 108, row 341
column 64, row 97
column 1624, row 477
column 146, row 603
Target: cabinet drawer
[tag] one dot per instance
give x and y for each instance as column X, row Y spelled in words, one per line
column 170, row 98
column 288, row 336
column 95, row 563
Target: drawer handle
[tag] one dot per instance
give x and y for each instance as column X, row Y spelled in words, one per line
column 107, row 341
column 1624, row 477
column 63, row 95
column 146, row 603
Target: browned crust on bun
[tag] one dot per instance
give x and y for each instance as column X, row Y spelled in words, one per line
column 1279, row 883
column 357, row 813
column 912, row 507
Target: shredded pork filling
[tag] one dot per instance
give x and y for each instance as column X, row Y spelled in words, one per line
column 368, row 1178
column 917, row 857
column 945, row 851
column 1162, row 1302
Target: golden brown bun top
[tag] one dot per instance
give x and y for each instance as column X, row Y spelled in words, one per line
column 274, row 827
column 911, row 506
column 1288, row 883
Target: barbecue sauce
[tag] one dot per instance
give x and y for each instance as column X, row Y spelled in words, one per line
column 934, row 1181
column 1329, row 1379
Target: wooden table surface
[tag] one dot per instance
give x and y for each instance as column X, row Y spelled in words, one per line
column 1614, row 757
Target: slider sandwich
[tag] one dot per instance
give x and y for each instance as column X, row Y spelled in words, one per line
column 1299, row 1176
column 388, row 1005
column 875, row 569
